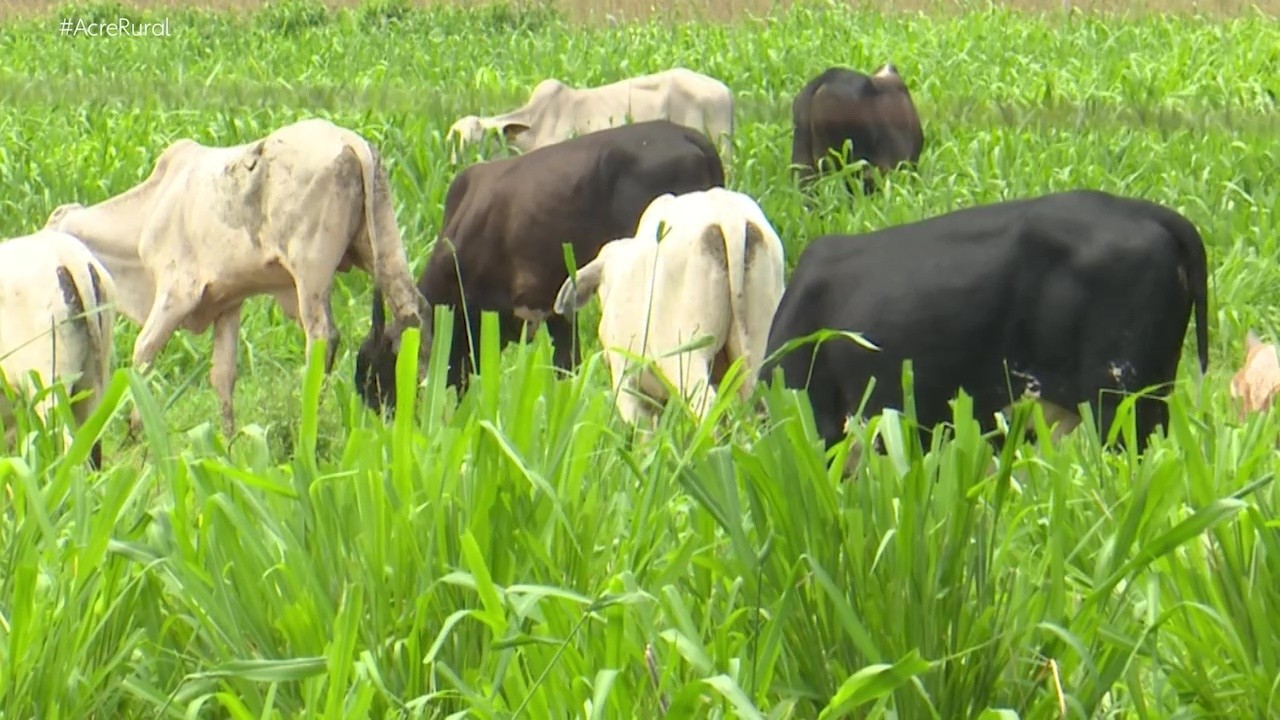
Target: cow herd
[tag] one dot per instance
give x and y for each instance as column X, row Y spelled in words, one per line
column 1071, row 298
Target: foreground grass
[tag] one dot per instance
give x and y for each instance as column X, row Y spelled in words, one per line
column 520, row 553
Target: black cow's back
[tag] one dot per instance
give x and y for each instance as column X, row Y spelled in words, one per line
column 1080, row 290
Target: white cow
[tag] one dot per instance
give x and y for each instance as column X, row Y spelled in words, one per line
column 213, row 226
column 717, row 270
column 556, row 111
column 56, row 318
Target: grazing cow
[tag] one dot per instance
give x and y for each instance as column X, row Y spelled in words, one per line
column 874, row 113
column 1061, row 297
column 58, row 314
column 505, row 221
column 1257, row 382
column 556, row 111
column 717, row 270
column 213, row 226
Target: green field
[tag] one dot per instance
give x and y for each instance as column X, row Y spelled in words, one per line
column 519, row 552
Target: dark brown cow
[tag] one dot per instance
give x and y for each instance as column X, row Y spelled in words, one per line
column 874, row 113
column 508, row 218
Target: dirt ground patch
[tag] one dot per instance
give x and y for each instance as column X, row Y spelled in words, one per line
column 724, row 10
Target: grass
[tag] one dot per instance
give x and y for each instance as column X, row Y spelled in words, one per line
column 518, row 552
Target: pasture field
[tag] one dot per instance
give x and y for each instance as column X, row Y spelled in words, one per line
column 519, row 552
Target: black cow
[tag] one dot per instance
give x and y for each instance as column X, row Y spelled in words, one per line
column 1068, row 295
column 507, row 220
column 874, row 113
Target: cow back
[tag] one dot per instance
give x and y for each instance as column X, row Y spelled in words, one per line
column 508, row 218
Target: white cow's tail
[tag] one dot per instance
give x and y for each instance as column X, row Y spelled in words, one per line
column 739, row 235
column 386, row 246
column 89, row 295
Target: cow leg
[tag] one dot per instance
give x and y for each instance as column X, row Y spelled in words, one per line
column 316, row 315
column 1150, row 412
column 288, row 302
column 222, row 370
column 802, row 157
column 459, row 368
column 869, row 181
column 167, row 313
column 1114, row 382
column 168, row 310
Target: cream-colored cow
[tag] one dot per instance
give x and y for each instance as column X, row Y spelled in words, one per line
column 716, row 271
column 1257, row 382
column 213, row 226
column 56, row 318
column 556, row 111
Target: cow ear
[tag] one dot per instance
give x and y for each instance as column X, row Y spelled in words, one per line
column 587, row 281
column 1251, row 341
column 512, row 130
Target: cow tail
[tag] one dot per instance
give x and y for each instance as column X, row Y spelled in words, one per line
column 737, row 240
column 91, row 309
column 1198, row 277
column 102, row 325
column 386, row 246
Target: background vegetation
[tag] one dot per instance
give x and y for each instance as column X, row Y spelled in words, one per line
column 519, row 553
column 609, row 11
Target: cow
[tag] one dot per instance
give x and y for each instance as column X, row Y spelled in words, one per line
column 1257, row 382
column 556, row 111
column 58, row 313
column 505, row 221
column 213, row 226
column 1069, row 297
column 874, row 113
column 717, row 270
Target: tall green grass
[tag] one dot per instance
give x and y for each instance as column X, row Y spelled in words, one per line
column 518, row 552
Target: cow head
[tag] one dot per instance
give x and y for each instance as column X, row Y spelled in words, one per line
column 472, row 129
column 466, row 131
column 375, row 373
column 577, row 289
